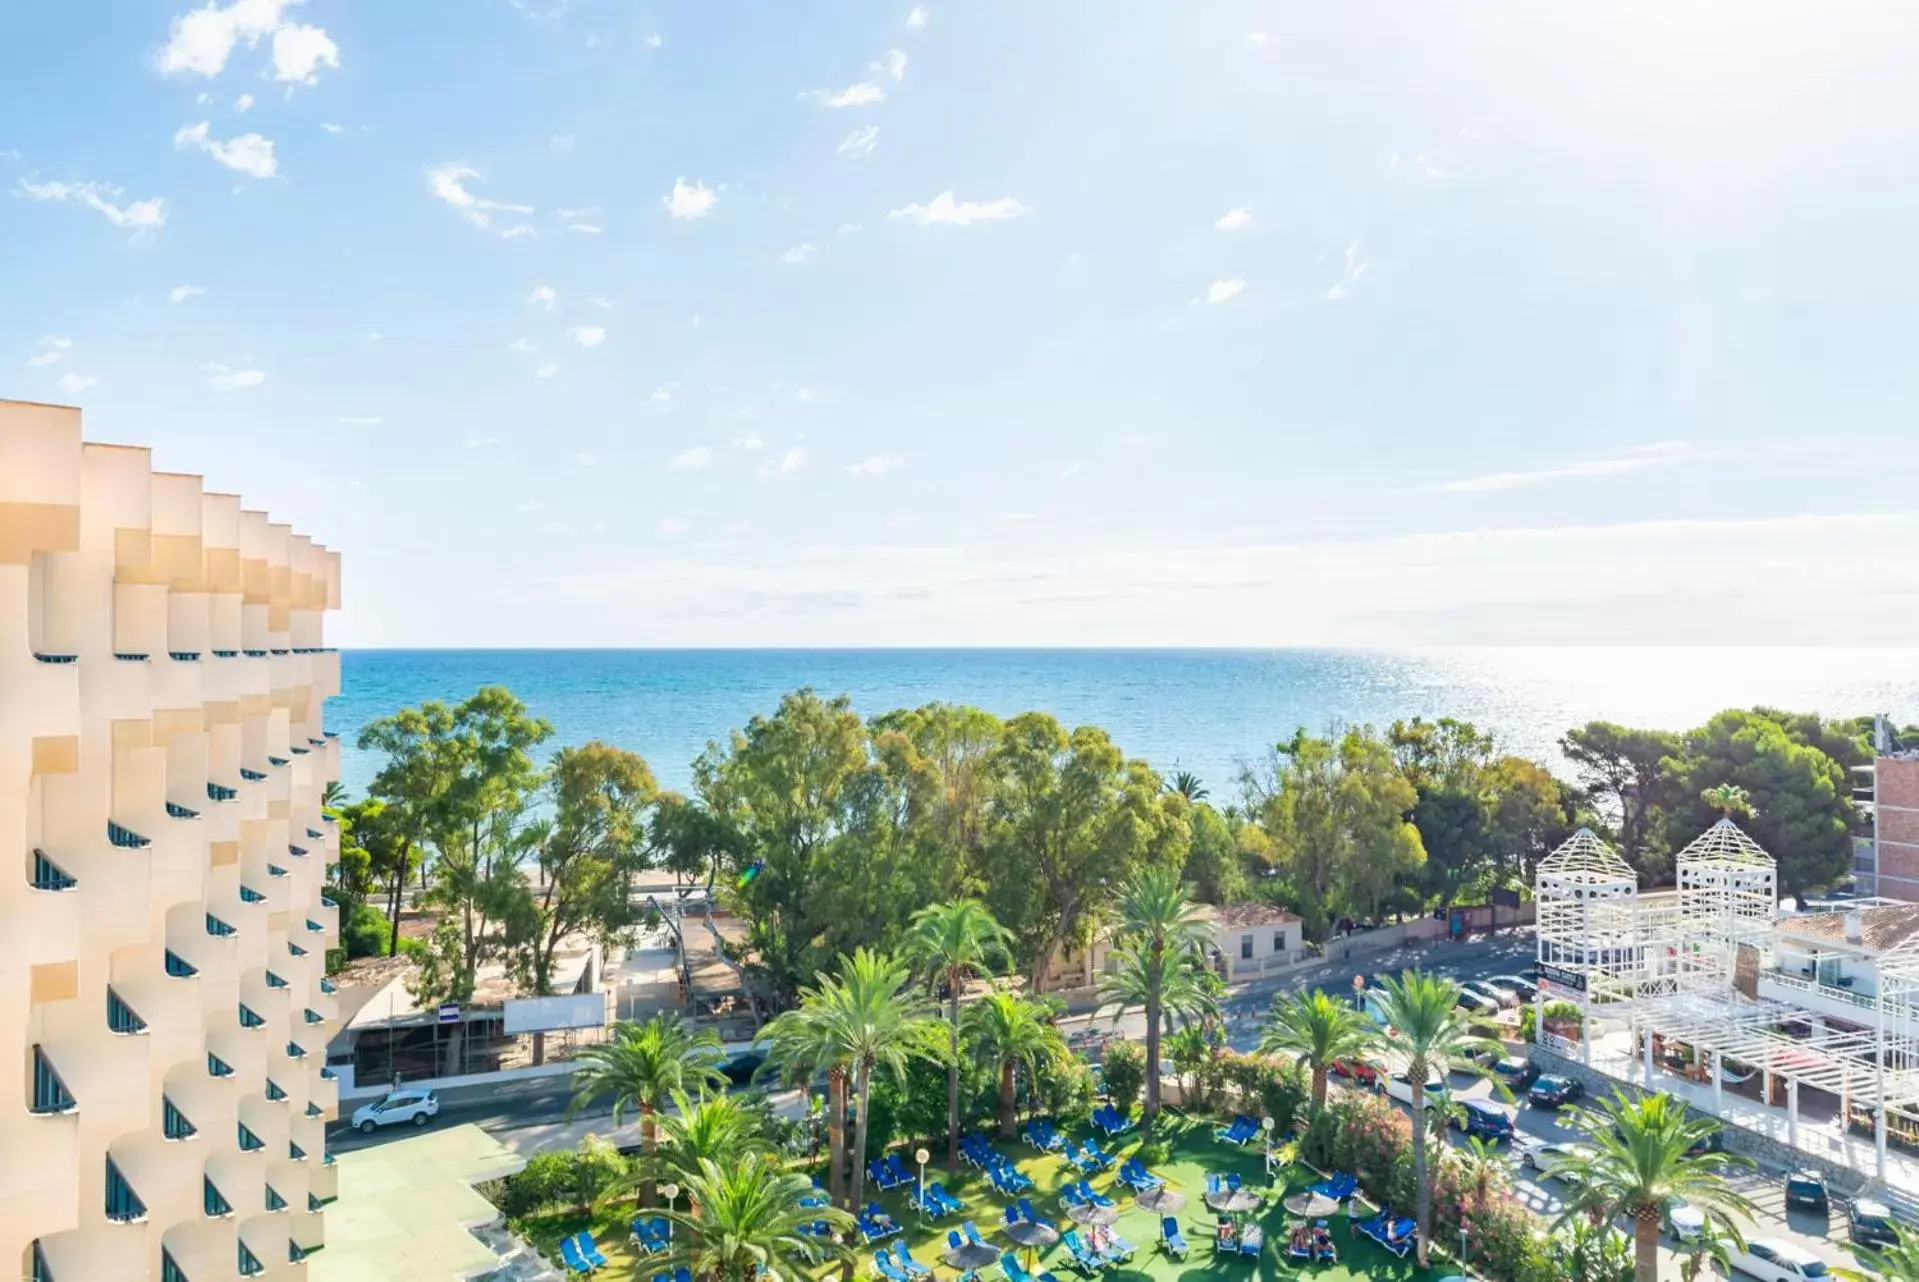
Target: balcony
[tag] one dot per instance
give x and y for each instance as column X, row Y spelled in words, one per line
column 253, row 776
column 177, row 811
column 128, row 657
column 125, row 837
column 48, row 875
column 1834, row 1002
column 220, row 792
column 55, row 658
column 50, row 1094
column 184, row 656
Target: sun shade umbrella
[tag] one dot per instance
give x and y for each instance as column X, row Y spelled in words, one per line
column 1087, row 1213
column 972, row 1255
column 1160, row 1201
column 1233, row 1201
column 1311, row 1206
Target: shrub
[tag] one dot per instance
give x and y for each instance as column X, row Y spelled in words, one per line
column 562, row 1179
column 1562, row 1018
column 365, row 931
column 1064, row 1090
column 1124, row 1069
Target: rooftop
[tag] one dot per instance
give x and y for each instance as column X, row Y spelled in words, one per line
column 1250, row 912
column 1880, row 928
column 406, row 1208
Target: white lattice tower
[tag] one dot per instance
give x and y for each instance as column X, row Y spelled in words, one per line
column 1587, row 901
column 1728, row 895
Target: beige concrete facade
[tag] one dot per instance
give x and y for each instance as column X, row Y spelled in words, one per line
column 163, row 1008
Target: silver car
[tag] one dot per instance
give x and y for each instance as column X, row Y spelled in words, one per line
column 417, row 1107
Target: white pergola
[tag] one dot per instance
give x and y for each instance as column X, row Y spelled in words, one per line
column 1668, row 965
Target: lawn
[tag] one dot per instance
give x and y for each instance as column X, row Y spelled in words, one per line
column 1189, row 1152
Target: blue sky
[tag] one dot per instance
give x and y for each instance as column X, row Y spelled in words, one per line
column 995, row 322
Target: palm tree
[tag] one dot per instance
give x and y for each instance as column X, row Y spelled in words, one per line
column 1187, row 785
column 805, row 1043
column 882, row 1022
column 751, row 1224
column 1008, row 1032
column 1433, row 1033
column 333, row 796
column 1188, row 1048
column 1316, row 1030
column 641, row 1066
column 1640, row 1164
column 951, row 943
column 1896, row 1263
column 712, row 1128
column 1713, row 1247
column 1728, row 799
column 1160, row 936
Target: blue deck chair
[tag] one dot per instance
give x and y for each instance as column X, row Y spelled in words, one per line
column 571, row 1258
column 589, row 1251
column 1171, row 1238
column 884, row 1265
column 910, row 1266
column 1084, row 1258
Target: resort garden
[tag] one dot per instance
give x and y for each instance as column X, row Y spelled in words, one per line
column 965, row 1139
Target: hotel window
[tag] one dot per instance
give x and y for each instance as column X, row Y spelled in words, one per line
column 1246, row 948
column 1279, row 941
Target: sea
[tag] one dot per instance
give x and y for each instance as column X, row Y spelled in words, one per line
column 1207, row 711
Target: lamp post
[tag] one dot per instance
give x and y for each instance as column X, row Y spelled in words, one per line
column 671, row 1192
column 920, row 1155
column 1462, row 1246
column 1266, row 1124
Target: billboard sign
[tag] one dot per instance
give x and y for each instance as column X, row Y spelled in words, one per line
column 548, row 1014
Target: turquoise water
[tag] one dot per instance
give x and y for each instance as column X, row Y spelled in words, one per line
column 1199, row 710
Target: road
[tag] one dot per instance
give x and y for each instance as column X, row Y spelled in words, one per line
column 530, row 1115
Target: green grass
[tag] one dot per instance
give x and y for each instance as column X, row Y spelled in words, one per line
column 1182, row 1154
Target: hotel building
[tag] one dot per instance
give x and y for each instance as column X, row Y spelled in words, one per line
column 164, row 1009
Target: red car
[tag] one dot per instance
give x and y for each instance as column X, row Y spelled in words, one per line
column 1357, row 1070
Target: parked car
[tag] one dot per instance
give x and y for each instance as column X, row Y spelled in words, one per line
column 1554, row 1092
column 1355, row 1070
column 1547, row 1159
column 1484, row 1119
column 1491, row 992
column 1517, row 1072
column 1400, row 1087
column 417, row 1107
column 1709, row 1143
column 742, row 1067
column 1688, row 1221
column 1870, row 1224
column 1520, row 987
column 1806, row 1190
column 1773, row 1260
column 1476, row 1003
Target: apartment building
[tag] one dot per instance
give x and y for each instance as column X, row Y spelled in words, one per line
column 164, row 1009
column 1895, row 825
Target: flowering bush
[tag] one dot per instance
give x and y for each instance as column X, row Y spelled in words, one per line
column 1254, row 1083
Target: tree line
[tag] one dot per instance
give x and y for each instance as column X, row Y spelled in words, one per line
column 828, row 832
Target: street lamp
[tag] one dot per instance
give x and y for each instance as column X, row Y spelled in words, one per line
column 671, row 1192
column 920, row 1155
column 1462, row 1246
column 1266, row 1124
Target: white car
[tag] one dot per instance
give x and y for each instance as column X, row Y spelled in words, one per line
column 1492, row 992
column 1400, row 1087
column 1548, row 1158
column 1688, row 1221
column 1772, row 1260
column 417, row 1107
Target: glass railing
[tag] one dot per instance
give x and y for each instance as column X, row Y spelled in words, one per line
column 55, row 658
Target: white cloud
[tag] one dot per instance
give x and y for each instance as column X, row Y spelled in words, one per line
column 544, row 295
column 689, row 201
column 448, row 182
column 1234, row 219
column 803, row 252
column 878, row 465
column 588, row 335
column 697, row 459
column 520, row 345
column 603, row 303
column 860, row 142
column 1355, row 268
column 654, row 40
column 1221, row 290
column 203, row 40
column 917, row 18
column 848, row 229
column 60, row 341
column 53, row 348
column 1069, row 470
column 223, row 379
column 332, row 128
column 585, row 229
column 244, row 103
column 586, row 458
column 751, row 441
column 1256, row 37
column 477, row 442
column 180, row 293
column 360, row 420
column 863, row 94
column 662, row 397
column 300, row 51
column 1637, row 459
column 40, row 360
column 73, row 384
column 249, row 154
column 140, row 216
column 515, row 233
column 791, row 461
column 548, row 370
column 672, row 525
column 561, row 143
column 891, row 64
column 959, row 213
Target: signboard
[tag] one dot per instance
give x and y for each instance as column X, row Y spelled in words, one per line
column 1505, row 898
column 1745, row 971
column 1560, row 977
column 449, row 1012
column 547, row 1014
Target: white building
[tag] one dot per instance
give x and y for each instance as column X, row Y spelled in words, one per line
column 163, row 1000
